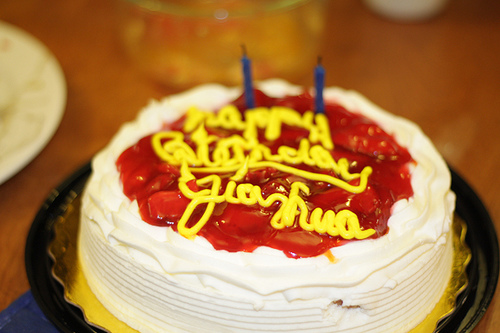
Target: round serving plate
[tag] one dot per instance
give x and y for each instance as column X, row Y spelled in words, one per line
column 472, row 302
column 32, row 98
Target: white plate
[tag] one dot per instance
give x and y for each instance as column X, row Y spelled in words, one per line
column 32, row 98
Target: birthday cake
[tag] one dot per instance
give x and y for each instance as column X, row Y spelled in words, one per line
column 205, row 216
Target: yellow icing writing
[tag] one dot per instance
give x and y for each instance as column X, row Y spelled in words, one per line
column 237, row 154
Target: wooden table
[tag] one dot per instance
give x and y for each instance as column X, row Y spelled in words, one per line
column 444, row 74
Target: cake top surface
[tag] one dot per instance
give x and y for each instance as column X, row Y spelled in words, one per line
column 278, row 175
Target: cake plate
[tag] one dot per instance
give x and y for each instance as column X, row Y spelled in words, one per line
column 32, row 98
column 471, row 303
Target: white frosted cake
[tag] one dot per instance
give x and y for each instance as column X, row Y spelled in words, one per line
column 342, row 224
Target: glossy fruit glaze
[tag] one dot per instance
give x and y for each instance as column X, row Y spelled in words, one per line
column 236, row 227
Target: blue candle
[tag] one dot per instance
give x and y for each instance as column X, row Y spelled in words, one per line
column 319, row 80
column 247, row 77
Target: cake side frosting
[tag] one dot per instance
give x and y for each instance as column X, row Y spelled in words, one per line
column 362, row 286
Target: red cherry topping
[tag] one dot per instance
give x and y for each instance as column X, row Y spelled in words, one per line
column 236, row 227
